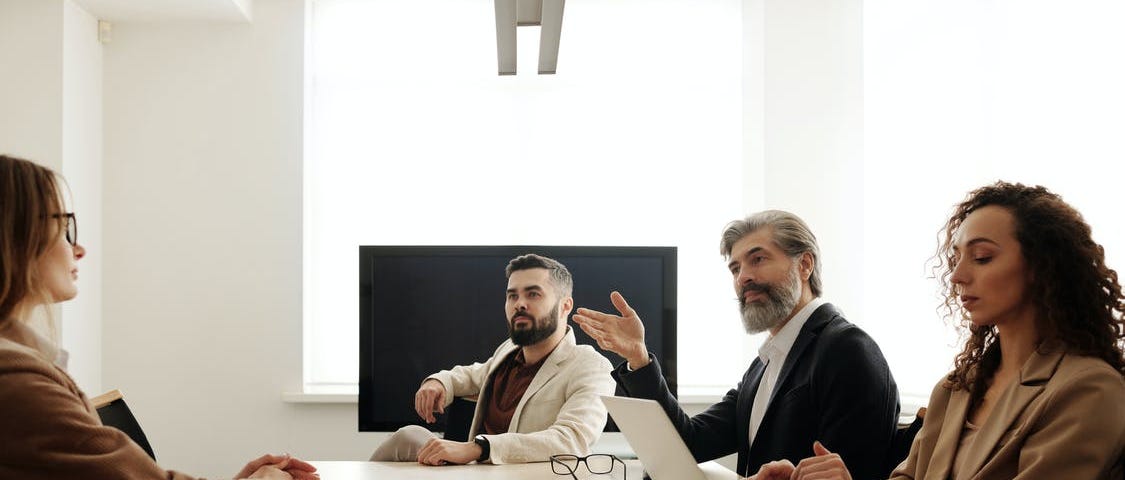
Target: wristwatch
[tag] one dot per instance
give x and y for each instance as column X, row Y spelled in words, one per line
column 482, row 442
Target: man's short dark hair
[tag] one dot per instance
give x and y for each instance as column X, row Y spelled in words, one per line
column 560, row 276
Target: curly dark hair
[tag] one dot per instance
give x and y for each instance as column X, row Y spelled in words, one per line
column 1077, row 297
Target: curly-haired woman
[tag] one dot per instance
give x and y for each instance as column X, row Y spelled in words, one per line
column 1038, row 391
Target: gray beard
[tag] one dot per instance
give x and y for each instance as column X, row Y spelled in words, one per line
column 779, row 304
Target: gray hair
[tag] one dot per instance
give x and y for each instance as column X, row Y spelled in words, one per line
column 790, row 233
column 560, row 276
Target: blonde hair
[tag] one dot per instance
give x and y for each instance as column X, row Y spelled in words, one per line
column 30, row 197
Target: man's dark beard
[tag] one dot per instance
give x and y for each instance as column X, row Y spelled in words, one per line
column 540, row 329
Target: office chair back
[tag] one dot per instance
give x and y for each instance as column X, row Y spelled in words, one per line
column 115, row 413
column 459, row 419
column 903, row 439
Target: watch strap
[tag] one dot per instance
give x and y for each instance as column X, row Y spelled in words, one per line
column 485, row 449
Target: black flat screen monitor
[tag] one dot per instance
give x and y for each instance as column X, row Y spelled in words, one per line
column 423, row 309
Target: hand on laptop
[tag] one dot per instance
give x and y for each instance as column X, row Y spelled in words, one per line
column 429, row 399
column 623, row 335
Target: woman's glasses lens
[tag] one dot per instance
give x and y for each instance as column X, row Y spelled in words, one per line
column 71, row 230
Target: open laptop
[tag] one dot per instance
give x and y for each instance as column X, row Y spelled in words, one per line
column 656, row 442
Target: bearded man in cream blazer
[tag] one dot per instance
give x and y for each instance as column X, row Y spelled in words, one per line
column 538, row 393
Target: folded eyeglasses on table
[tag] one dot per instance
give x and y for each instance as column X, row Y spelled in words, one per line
column 598, row 464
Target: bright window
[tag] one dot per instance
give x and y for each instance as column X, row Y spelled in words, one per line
column 959, row 94
column 414, row 139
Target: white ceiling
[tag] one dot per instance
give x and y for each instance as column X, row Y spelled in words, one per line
column 147, row 11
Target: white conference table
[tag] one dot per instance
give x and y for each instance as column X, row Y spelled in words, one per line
column 414, row 471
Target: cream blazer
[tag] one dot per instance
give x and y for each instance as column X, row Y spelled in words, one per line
column 1063, row 419
column 560, row 413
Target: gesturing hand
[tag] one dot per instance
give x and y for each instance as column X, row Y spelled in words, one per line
column 621, row 334
column 429, row 399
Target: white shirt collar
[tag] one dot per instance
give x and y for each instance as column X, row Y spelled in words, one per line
column 28, row 336
column 777, row 347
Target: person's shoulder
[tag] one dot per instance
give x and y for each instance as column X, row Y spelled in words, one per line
column 846, row 347
column 23, row 369
column 828, row 322
column 587, row 355
column 942, row 389
column 16, row 357
column 1078, row 370
column 1087, row 387
column 839, row 334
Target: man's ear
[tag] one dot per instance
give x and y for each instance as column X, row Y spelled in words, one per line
column 805, row 264
column 567, row 305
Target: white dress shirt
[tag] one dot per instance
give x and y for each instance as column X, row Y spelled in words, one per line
column 773, row 353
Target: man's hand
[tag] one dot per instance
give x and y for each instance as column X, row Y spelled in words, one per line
column 278, row 466
column 429, row 399
column 443, row 452
column 623, row 335
column 778, row 470
column 270, row 472
column 825, row 465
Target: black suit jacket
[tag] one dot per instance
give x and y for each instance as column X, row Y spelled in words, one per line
column 835, row 387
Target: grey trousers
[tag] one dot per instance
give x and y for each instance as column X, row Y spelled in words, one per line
column 403, row 445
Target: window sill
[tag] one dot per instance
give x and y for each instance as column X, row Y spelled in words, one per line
column 696, row 396
column 689, row 396
column 302, row 397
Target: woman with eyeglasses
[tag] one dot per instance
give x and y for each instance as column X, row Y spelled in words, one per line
column 1038, row 391
column 48, row 428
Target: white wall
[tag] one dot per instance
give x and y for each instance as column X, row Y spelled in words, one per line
column 203, row 226
column 814, row 132
column 803, row 130
column 82, row 166
column 50, row 93
column 203, row 242
column 31, row 61
column 202, row 203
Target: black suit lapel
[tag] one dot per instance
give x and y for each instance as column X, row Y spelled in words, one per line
column 749, row 390
column 809, row 332
column 745, row 403
column 816, row 322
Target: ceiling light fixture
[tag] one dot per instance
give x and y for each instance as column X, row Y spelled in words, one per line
column 546, row 14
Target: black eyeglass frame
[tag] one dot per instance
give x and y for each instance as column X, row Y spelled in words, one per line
column 71, row 230
column 557, row 460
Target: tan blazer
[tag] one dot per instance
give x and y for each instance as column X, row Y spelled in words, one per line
column 1063, row 419
column 560, row 413
column 48, row 429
